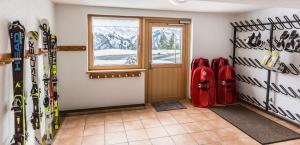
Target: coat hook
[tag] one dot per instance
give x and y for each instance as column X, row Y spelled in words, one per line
column 282, row 24
column 251, row 26
column 241, row 28
column 262, row 25
column 244, row 26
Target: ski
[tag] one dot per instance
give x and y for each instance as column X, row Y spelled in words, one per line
column 17, row 39
column 44, row 26
column 54, row 80
column 33, row 38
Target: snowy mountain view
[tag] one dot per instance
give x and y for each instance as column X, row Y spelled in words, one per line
column 116, row 43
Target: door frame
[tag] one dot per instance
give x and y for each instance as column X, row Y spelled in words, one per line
column 185, row 46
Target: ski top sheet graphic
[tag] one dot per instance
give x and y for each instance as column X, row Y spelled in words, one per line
column 44, row 26
column 33, row 37
column 17, row 38
column 54, row 79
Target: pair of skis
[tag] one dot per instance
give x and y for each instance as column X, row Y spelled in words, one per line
column 50, row 81
column 17, row 38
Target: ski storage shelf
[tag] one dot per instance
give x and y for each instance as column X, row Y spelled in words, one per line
column 71, row 48
column 7, row 59
column 124, row 73
column 282, row 107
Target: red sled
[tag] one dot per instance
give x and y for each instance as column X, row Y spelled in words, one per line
column 226, row 85
column 197, row 62
column 203, row 87
column 217, row 63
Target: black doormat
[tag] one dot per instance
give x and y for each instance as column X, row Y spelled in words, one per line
column 168, row 105
column 260, row 128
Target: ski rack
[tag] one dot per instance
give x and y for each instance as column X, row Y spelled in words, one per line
column 249, row 62
column 277, row 111
column 7, row 59
column 275, row 88
column 115, row 73
column 242, row 45
column 271, row 26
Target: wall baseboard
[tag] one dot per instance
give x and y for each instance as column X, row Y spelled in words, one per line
column 77, row 112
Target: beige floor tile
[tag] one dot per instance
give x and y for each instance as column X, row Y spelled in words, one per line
column 240, row 141
column 93, row 130
column 183, row 139
column 122, row 143
column 143, row 142
column 175, row 129
column 156, row 132
column 130, row 117
column 95, row 120
column 184, row 119
column 132, row 125
column 70, row 132
column 148, row 123
column 220, row 123
column 136, row 135
column 165, row 114
column 114, row 127
column 168, row 121
column 75, row 121
column 178, row 112
column 192, row 127
column 147, row 116
column 93, row 140
column 207, row 125
column 116, row 137
column 113, row 118
column 162, row 141
column 199, row 117
column 211, row 115
column 203, row 138
column 68, row 141
column 192, row 111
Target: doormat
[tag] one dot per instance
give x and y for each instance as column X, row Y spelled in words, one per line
column 260, row 128
column 168, row 105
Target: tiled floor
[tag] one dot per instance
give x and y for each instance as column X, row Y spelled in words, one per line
column 192, row 126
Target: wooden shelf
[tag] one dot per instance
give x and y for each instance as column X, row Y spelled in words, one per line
column 5, row 59
column 71, row 48
column 124, row 73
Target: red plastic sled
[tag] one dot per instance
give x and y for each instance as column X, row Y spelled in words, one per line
column 226, row 85
column 203, row 87
column 197, row 62
column 217, row 63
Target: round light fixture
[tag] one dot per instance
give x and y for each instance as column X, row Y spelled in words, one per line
column 177, row 2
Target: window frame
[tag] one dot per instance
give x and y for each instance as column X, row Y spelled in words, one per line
column 91, row 65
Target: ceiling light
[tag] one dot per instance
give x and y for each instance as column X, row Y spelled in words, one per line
column 177, row 2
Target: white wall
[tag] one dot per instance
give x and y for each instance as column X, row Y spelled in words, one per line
column 29, row 13
column 210, row 33
column 287, row 80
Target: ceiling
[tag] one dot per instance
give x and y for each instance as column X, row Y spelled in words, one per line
column 189, row 5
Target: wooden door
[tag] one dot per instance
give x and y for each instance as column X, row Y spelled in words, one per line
column 167, row 60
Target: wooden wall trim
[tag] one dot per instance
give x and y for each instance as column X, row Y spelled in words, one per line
column 71, row 48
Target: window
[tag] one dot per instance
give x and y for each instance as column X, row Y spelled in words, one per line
column 114, row 42
column 167, row 45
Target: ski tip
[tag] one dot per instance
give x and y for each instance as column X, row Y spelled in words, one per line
column 16, row 25
column 33, row 35
column 44, row 25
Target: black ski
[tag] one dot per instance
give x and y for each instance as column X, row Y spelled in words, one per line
column 17, row 39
